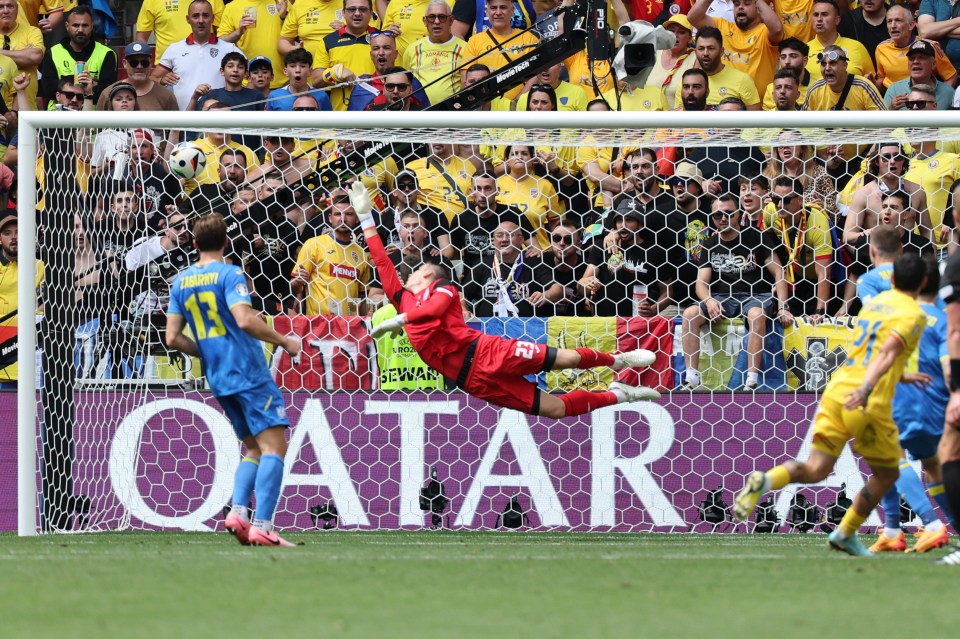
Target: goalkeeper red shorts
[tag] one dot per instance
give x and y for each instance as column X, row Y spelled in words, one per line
column 497, row 368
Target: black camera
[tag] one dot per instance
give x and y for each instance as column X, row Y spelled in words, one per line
column 433, row 499
column 326, row 513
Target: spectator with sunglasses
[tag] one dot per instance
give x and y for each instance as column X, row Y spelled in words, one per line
column 407, row 18
column 803, row 246
column 383, row 54
column 824, row 94
column 151, row 96
column 934, row 170
column 435, row 58
column 922, row 64
column 736, row 269
column 562, row 269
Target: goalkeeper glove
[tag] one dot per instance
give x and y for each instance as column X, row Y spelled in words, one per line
column 360, row 201
column 392, row 325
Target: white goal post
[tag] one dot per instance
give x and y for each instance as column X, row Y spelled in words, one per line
column 476, row 127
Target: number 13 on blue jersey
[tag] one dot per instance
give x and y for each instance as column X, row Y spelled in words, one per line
column 206, row 319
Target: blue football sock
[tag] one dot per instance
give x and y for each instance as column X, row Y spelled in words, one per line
column 243, row 481
column 269, row 479
column 891, row 509
column 940, row 496
column 910, row 486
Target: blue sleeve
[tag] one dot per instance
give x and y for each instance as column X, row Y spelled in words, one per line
column 942, row 339
column 926, row 9
column 323, row 100
column 175, row 308
column 867, row 287
column 359, row 100
column 235, row 288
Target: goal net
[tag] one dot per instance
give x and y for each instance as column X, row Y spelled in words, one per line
column 731, row 246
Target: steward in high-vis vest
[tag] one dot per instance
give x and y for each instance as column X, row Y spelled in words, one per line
column 400, row 366
column 60, row 60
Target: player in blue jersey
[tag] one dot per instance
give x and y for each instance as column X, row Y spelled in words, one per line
column 885, row 246
column 213, row 299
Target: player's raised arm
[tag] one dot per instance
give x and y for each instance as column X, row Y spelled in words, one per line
column 360, row 200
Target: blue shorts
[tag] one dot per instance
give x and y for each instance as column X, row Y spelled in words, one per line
column 255, row 410
column 920, row 439
column 920, row 444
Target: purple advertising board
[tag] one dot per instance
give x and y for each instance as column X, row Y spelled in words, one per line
column 167, row 460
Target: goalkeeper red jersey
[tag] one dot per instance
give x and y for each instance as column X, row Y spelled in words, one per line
column 435, row 325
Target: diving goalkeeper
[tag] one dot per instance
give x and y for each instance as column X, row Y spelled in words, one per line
column 485, row 366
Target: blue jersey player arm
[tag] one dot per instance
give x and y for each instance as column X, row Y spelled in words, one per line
column 176, row 322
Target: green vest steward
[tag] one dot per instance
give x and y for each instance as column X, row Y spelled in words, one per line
column 65, row 65
column 400, row 366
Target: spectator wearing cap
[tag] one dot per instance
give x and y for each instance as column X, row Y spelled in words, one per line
column 137, row 62
column 194, row 61
column 893, row 54
column 233, row 69
column 21, row 43
column 825, row 93
column 168, row 22
column 632, row 276
column 672, row 62
column 724, row 81
column 254, row 26
column 937, row 20
column 749, row 43
column 435, row 57
column 922, row 63
column 60, row 60
column 9, row 280
column 867, row 24
column 260, row 75
column 826, row 24
column 794, row 56
column 297, row 65
column 307, row 22
column 383, row 54
column 344, row 55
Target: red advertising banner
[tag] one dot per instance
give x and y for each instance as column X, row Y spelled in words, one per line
column 338, row 354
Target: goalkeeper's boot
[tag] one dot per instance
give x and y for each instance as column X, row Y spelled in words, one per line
column 634, row 393
column 849, row 545
column 886, row 544
column 747, row 498
column 639, row 358
column 258, row 537
column 238, row 527
column 928, row 540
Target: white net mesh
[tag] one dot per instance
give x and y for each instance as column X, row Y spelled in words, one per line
column 578, row 237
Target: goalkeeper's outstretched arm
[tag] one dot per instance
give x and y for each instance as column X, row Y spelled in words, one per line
column 360, row 200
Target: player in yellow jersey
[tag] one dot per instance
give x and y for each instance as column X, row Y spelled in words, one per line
column 857, row 405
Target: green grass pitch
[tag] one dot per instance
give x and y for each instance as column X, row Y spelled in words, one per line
column 466, row 584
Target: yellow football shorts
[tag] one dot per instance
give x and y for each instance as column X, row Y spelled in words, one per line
column 875, row 435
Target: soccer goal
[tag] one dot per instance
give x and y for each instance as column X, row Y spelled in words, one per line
column 575, row 229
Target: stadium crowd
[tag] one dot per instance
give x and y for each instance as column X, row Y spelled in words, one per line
column 767, row 233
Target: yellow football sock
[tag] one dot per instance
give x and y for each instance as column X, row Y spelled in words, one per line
column 778, row 477
column 851, row 522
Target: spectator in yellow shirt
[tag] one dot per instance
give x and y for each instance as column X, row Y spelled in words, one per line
column 499, row 45
column 725, row 81
column 893, row 54
column 826, row 22
column 748, row 41
column 796, row 17
column 254, row 26
column 435, row 58
column 794, row 55
column 308, row 22
column 534, row 196
column 21, row 43
column 824, row 94
column 168, row 22
column 570, row 97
